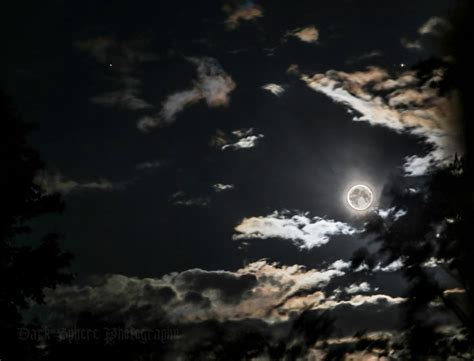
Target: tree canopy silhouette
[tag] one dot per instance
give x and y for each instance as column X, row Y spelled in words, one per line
column 24, row 270
column 437, row 228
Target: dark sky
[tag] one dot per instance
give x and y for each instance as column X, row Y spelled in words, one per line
column 59, row 56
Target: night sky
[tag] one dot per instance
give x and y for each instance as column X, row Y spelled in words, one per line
column 206, row 147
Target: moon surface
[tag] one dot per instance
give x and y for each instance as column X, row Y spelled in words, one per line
column 360, row 197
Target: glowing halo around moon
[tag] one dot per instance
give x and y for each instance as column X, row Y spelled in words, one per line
column 360, row 197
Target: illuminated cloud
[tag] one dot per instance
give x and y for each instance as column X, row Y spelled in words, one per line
column 212, row 85
column 390, row 213
column 362, row 300
column 308, row 34
column 435, row 26
column 366, row 56
column 304, row 232
column 362, row 287
column 244, row 12
column 219, row 187
column 244, row 143
column 238, row 139
column 274, row 88
column 405, row 104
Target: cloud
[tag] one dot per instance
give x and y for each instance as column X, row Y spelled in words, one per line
column 245, row 12
column 308, row 34
column 55, row 183
column 125, row 98
column 362, row 300
column 121, row 58
column 219, row 187
column 212, row 85
column 405, row 104
column 149, row 165
column 393, row 213
column 411, row 44
column 365, row 56
column 435, row 26
column 279, row 306
column 180, row 198
column 261, row 290
column 362, row 287
column 304, row 232
column 244, row 143
column 238, row 139
column 122, row 55
column 274, row 88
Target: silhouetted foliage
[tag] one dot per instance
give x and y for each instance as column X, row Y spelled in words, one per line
column 436, row 228
column 24, row 270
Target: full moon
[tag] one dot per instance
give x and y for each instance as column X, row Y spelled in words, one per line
column 360, row 197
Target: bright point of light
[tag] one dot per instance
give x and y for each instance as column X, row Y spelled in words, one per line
column 402, row 65
column 360, row 197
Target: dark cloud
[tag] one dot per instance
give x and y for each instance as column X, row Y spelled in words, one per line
column 232, row 288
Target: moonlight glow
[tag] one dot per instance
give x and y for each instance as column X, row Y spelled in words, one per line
column 360, row 197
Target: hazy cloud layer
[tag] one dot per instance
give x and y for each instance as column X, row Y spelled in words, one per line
column 404, row 103
column 212, row 85
column 303, row 231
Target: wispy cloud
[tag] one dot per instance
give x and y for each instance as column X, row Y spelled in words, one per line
column 213, row 85
column 120, row 59
column 435, row 26
column 125, row 98
column 56, row 183
column 122, row 55
column 180, row 198
column 152, row 164
column 411, row 44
